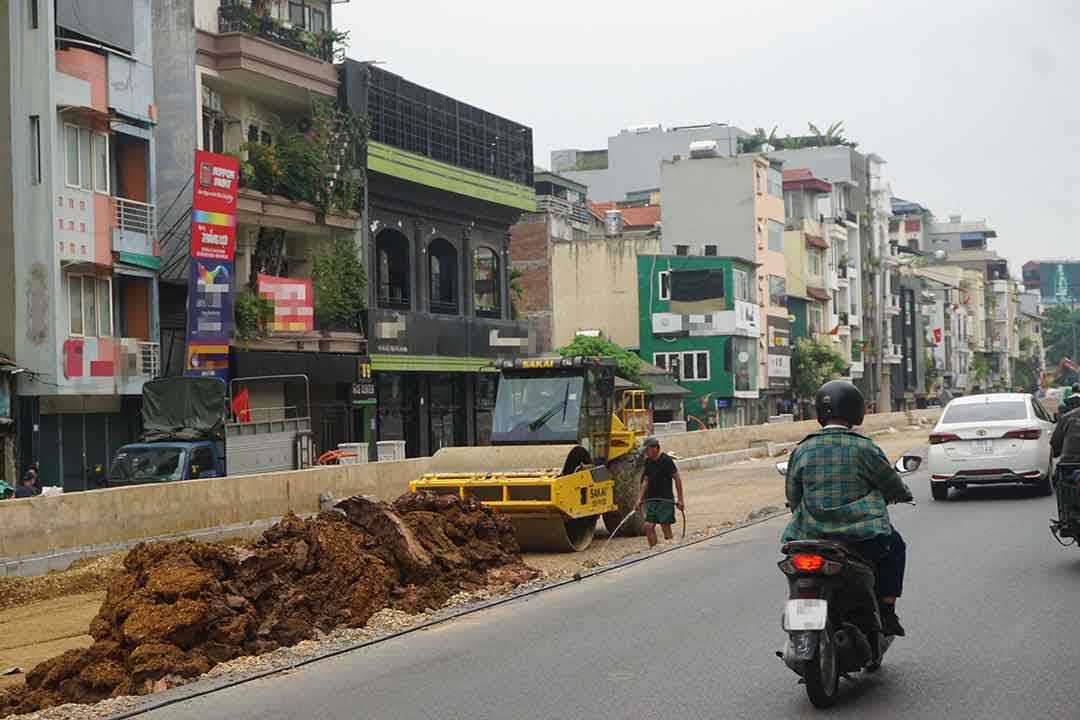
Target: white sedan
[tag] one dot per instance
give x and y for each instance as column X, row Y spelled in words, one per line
column 991, row 439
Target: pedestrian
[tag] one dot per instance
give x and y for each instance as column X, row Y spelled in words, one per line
column 656, row 491
column 26, row 487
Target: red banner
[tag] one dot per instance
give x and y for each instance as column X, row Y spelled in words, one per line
column 937, row 335
column 292, row 300
column 213, row 206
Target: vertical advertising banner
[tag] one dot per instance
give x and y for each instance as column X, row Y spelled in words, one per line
column 210, row 280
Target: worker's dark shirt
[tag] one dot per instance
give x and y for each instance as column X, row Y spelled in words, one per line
column 22, row 491
column 659, row 474
column 1065, row 442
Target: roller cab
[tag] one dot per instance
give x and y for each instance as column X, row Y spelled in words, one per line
column 554, row 436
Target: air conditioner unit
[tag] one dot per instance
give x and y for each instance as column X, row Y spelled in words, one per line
column 667, row 323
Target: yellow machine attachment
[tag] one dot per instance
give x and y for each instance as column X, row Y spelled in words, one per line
column 554, row 488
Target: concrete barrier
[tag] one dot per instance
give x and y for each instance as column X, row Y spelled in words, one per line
column 95, row 521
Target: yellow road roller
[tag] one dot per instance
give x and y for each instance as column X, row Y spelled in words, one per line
column 560, row 457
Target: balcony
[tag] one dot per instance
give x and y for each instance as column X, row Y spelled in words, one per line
column 149, row 359
column 892, row 306
column 851, row 218
column 557, row 206
column 858, row 368
column 134, row 226
column 894, row 354
column 844, row 320
column 283, row 64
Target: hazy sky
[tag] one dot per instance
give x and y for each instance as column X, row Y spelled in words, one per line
column 975, row 106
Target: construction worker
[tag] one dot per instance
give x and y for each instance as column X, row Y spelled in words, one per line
column 26, row 487
column 656, row 492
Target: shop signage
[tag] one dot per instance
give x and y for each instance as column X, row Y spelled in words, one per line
column 363, row 390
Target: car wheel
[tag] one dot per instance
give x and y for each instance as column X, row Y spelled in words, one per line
column 939, row 490
column 1046, row 482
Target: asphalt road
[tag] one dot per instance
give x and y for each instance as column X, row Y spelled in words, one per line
column 991, row 608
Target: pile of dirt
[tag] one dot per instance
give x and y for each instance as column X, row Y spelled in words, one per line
column 84, row 576
column 180, row 608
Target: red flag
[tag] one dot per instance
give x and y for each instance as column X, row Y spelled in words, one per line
column 937, row 335
column 241, row 407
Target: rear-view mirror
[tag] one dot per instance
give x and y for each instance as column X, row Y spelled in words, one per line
column 908, row 464
column 781, row 467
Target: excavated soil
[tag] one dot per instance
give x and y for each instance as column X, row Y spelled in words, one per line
column 177, row 609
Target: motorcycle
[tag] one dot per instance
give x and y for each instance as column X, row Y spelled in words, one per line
column 832, row 616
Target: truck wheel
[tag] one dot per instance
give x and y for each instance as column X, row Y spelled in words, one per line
column 626, row 472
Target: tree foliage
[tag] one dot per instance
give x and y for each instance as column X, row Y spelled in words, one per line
column 812, row 365
column 339, row 283
column 628, row 364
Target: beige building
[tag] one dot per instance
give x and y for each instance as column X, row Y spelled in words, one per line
column 734, row 206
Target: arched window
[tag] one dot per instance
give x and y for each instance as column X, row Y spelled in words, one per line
column 392, row 270
column 443, row 277
column 486, row 287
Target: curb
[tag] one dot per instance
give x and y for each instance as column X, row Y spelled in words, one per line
column 702, row 462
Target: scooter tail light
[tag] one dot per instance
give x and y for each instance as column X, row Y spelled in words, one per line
column 807, row 563
column 939, row 438
column 1025, row 434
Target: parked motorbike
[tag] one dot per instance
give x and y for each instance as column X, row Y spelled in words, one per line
column 832, row 616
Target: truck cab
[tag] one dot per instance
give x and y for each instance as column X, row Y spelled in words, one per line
column 142, row 463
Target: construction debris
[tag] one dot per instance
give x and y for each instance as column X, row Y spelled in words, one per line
column 88, row 575
column 178, row 609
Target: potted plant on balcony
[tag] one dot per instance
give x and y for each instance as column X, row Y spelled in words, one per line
column 252, row 314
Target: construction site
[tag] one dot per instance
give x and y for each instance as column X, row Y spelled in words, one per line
column 163, row 614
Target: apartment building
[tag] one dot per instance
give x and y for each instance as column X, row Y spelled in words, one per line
column 79, row 254
column 717, row 206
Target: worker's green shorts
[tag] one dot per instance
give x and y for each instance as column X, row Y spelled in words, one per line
column 660, row 512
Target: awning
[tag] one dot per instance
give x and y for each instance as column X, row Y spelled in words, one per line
column 663, row 385
column 815, row 241
column 149, row 262
column 321, row 368
column 817, row 294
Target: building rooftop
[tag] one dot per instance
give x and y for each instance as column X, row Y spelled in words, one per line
column 803, row 179
column 644, row 216
column 901, row 206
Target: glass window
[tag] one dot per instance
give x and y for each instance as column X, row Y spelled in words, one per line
column 710, row 250
column 776, row 183
column 318, row 21
column 101, row 163
column 104, row 307
column 660, row 360
column 682, row 250
column 486, row 282
column 296, row 14
column 742, row 285
column 84, row 158
column 665, row 285
column 776, row 236
column 75, row 316
column 985, row 411
column 35, row 148
column 778, row 291
column 814, row 258
column 71, row 138
column 745, row 362
column 89, row 301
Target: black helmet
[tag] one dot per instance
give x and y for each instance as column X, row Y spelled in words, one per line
column 839, row 399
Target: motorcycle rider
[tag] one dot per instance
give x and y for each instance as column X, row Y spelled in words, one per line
column 838, row 486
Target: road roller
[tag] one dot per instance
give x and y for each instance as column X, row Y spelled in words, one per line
column 560, row 457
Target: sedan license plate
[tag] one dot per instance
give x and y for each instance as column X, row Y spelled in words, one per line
column 982, row 447
column 805, row 614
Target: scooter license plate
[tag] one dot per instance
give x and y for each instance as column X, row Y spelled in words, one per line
column 805, row 614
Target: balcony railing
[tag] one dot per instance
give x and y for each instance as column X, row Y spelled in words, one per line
column 442, row 307
column 392, row 301
column 149, row 359
column 558, row 206
column 844, row 318
column 234, row 17
column 135, row 216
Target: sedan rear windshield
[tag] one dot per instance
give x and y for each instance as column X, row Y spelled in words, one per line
column 986, row 412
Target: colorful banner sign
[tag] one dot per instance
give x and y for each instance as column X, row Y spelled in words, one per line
column 210, row 301
column 210, row 280
column 213, row 206
column 293, row 309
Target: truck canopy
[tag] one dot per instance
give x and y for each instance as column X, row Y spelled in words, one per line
column 183, row 408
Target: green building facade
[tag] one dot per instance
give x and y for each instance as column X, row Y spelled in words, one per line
column 710, row 343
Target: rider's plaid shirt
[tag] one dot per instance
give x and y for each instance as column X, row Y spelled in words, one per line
column 837, row 485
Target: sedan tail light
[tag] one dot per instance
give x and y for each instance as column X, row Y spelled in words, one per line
column 939, row 438
column 1025, row 434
